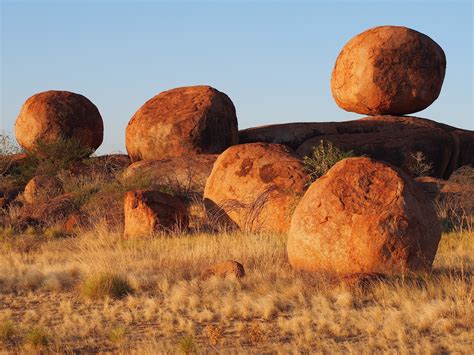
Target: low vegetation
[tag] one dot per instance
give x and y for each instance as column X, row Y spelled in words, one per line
column 272, row 308
column 322, row 158
column 106, row 284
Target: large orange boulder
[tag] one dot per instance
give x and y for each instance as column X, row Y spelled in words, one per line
column 187, row 174
column 182, row 121
column 388, row 70
column 363, row 216
column 52, row 115
column 149, row 211
column 255, row 187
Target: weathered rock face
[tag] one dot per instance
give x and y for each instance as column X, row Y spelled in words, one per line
column 185, row 174
column 225, row 269
column 41, row 189
column 363, row 216
column 107, row 165
column 47, row 213
column 52, row 115
column 147, row 211
column 256, row 186
column 388, row 70
column 182, row 121
column 389, row 138
column 104, row 206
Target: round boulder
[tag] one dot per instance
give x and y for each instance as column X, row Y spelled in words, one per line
column 388, row 70
column 363, row 216
column 42, row 188
column 182, row 121
column 148, row 211
column 255, row 187
column 53, row 115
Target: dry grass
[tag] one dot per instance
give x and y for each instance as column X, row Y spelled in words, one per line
column 272, row 308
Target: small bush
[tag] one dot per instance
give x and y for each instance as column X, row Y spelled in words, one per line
column 55, row 232
column 322, row 158
column 49, row 159
column 106, row 284
column 187, row 345
column 418, row 165
column 37, row 337
column 7, row 332
column 117, row 335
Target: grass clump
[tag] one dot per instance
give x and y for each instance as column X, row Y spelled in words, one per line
column 117, row 335
column 187, row 345
column 322, row 158
column 7, row 332
column 418, row 165
column 37, row 336
column 106, row 284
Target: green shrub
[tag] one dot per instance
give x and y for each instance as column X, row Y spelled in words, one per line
column 37, row 336
column 322, row 158
column 106, row 284
column 49, row 159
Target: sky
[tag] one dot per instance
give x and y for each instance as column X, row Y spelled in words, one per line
column 273, row 58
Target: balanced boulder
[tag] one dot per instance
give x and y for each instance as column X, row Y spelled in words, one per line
column 182, row 121
column 149, row 211
column 255, row 187
column 388, row 70
column 53, row 115
column 363, row 216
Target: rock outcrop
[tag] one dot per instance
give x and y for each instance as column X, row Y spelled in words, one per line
column 149, row 211
column 52, row 115
column 388, row 138
column 187, row 174
column 42, row 188
column 256, row 187
column 363, row 216
column 388, row 70
column 180, row 122
column 47, row 213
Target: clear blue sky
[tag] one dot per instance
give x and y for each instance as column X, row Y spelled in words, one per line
column 274, row 59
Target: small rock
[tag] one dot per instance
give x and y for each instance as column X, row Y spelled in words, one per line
column 148, row 211
column 225, row 269
column 42, row 188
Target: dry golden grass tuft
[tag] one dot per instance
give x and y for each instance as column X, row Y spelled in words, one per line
column 172, row 309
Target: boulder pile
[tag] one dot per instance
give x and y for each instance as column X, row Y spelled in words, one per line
column 365, row 216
